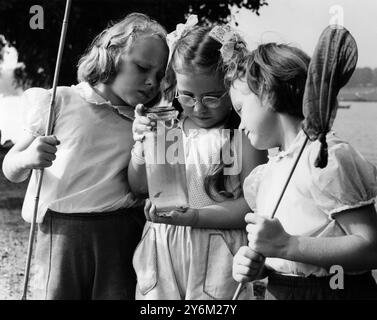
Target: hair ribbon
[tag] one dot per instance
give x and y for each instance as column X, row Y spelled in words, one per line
column 228, row 39
column 180, row 31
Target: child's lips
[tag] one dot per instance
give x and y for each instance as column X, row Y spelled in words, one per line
column 246, row 132
column 249, row 134
column 144, row 94
column 202, row 117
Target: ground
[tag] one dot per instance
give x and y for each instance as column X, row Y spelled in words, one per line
column 14, row 234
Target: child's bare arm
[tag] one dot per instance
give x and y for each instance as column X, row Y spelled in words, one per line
column 355, row 251
column 225, row 215
column 230, row 214
column 27, row 154
column 137, row 176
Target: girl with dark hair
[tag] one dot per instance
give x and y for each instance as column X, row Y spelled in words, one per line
column 326, row 222
column 188, row 255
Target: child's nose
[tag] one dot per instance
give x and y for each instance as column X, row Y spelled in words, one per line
column 152, row 81
column 198, row 106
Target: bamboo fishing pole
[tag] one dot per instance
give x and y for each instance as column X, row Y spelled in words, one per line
column 239, row 288
column 47, row 132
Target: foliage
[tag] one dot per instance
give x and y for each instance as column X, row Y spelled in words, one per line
column 363, row 77
column 38, row 48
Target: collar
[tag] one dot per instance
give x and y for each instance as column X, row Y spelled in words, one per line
column 87, row 92
column 293, row 148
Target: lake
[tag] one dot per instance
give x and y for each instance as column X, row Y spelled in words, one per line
column 358, row 126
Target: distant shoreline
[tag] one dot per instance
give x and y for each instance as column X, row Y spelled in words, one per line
column 355, row 100
column 359, row 94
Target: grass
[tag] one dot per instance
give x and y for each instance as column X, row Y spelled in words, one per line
column 13, row 237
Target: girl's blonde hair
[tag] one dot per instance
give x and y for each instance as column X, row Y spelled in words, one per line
column 101, row 61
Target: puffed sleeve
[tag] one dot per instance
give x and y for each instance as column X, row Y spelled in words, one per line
column 251, row 185
column 347, row 182
column 36, row 103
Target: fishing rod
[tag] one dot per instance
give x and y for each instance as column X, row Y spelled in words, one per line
column 48, row 132
column 240, row 285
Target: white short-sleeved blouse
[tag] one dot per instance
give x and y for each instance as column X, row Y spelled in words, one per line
column 89, row 173
column 313, row 195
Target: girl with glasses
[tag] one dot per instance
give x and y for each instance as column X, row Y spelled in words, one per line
column 189, row 254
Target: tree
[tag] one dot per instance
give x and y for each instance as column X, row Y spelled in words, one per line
column 374, row 81
column 367, row 76
column 363, row 77
column 38, row 48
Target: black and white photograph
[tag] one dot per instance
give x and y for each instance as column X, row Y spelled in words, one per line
column 188, row 150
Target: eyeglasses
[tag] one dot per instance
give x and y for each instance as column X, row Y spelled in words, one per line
column 208, row 101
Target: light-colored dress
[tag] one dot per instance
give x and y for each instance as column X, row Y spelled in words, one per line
column 179, row 262
column 313, row 195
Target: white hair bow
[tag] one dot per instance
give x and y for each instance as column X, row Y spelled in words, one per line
column 227, row 37
column 180, row 30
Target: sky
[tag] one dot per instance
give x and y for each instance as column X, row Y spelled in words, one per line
column 300, row 23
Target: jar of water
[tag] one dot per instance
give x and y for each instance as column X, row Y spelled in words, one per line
column 165, row 161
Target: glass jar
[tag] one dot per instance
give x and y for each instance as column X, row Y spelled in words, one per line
column 165, row 161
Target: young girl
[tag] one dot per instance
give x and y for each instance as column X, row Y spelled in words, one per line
column 189, row 255
column 326, row 223
column 88, row 226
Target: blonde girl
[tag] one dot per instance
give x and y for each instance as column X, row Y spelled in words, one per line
column 88, row 222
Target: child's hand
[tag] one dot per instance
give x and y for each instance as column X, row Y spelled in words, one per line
column 247, row 265
column 41, row 152
column 141, row 124
column 266, row 236
column 184, row 217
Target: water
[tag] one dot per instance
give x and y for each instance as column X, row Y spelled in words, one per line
column 167, row 186
column 166, row 175
column 358, row 126
column 11, row 118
